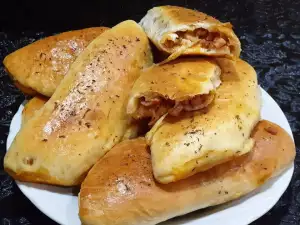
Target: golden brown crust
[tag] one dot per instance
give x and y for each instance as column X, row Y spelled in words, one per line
column 179, row 79
column 194, row 142
column 174, row 30
column 120, row 188
column 183, row 85
column 188, row 16
column 32, row 106
column 26, row 90
column 86, row 116
column 41, row 65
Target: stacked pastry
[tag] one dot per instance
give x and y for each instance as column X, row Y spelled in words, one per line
column 198, row 113
column 86, row 115
column 39, row 67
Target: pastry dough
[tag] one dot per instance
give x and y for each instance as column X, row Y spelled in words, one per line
column 197, row 141
column 86, row 116
column 120, row 188
column 37, row 102
column 31, row 107
column 181, row 31
column 26, row 90
column 186, row 84
column 42, row 65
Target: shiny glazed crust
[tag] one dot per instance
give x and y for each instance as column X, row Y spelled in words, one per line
column 120, row 188
column 86, row 116
column 41, row 65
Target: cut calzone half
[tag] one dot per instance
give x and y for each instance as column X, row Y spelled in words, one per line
column 39, row 67
column 181, row 31
column 198, row 141
column 183, row 85
column 86, row 116
column 120, row 188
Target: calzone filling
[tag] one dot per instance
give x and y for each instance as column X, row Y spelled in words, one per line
column 201, row 36
column 155, row 107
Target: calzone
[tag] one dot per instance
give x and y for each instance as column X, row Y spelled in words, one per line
column 183, row 85
column 200, row 140
column 86, row 116
column 181, row 31
column 39, row 67
column 120, row 188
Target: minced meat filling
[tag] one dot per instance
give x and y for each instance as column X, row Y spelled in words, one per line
column 206, row 39
column 156, row 107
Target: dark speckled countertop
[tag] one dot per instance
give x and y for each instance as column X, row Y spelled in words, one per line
column 268, row 29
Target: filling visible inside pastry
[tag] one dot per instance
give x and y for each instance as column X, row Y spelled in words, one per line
column 155, row 107
column 199, row 36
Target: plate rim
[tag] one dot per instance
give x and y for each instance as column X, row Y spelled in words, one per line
column 288, row 172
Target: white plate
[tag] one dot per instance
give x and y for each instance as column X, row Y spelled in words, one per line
column 61, row 205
